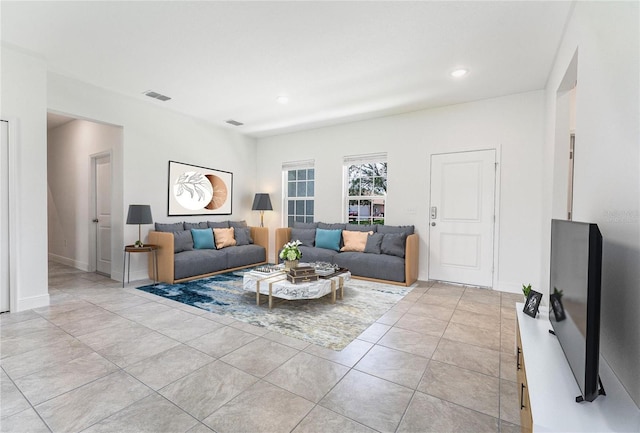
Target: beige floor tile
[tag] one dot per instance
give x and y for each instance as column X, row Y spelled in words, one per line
column 221, row 341
column 53, row 381
column 476, row 320
column 423, row 325
column 508, row 367
column 200, row 428
column 12, row 399
column 326, row 421
column 390, row 317
column 208, row 388
column 12, row 346
column 44, row 357
column 428, row 414
column 480, row 359
column 483, row 296
column 410, row 341
column 247, row 327
column 393, row 365
column 464, row 387
column 25, row 421
column 84, row 406
column 286, row 340
column 508, row 341
column 272, row 410
column 441, row 300
column 374, row 332
column 121, row 333
column 22, row 328
column 160, row 370
column 129, row 352
column 8, row 318
column 348, row 356
column 374, row 402
column 471, row 335
column 442, row 289
column 189, row 329
column 509, row 402
column 402, row 306
column 308, row 376
column 439, row 312
column 101, row 320
column 151, row 414
column 259, row 357
column 507, row 427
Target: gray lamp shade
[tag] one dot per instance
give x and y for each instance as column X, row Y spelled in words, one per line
column 261, row 202
column 139, row 214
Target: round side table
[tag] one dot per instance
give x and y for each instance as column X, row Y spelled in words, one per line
column 147, row 248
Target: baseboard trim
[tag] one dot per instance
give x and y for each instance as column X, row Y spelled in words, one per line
column 69, row 262
column 31, row 303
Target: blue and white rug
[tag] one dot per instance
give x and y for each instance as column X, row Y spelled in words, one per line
column 316, row 321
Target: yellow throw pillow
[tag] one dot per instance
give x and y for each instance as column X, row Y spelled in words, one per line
column 354, row 241
column 224, row 238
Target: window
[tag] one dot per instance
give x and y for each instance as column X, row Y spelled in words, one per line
column 299, row 189
column 366, row 189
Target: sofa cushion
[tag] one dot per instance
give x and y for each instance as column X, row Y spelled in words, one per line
column 197, row 262
column 378, row 266
column 224, row 237
column 200, row 225
column 243, row 236
column 335, row 226
column 354, row 240
column 238, row 224
column 306, row 236
column 172, row 227
column 182, row 241
column 408, row 230
column 328, row 239
column 301, row 225
column 202, row 239
column 244, row 255
column 312, row 254
column 362, row 227
column 394, row 244
column 218, row 224
column 374, row 244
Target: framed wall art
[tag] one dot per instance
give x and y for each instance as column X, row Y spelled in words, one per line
column 195, row 190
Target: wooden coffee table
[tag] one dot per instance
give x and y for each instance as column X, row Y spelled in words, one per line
column 275, row 284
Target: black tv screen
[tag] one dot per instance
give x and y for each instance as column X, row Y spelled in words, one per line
column 576, row 267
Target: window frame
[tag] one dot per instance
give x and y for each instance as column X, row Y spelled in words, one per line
column 360, row 160
column 287, row 167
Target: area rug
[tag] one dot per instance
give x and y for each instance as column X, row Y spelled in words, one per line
column 316, row 321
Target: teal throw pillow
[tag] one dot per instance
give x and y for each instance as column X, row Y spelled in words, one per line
column 329, row 239
column 203, row 239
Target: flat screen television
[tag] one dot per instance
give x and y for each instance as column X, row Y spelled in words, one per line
column 576, row 268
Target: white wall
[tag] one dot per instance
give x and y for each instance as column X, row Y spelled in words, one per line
column 24, row 104
column 69, row 150
column 607, row 165
column 513, row 125
column 153, row 135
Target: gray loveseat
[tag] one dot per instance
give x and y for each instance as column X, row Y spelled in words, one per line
column 390, row 253
column 180, row 260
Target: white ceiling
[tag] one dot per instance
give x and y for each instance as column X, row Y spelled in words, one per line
column 337, row 61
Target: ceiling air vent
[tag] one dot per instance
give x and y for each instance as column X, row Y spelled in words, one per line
column 234, row 122
column 156, row 95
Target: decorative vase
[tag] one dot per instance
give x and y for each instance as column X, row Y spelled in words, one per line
column 290, row 264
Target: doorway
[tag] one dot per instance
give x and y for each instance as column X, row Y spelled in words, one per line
column 462, row 217
column 101, row 203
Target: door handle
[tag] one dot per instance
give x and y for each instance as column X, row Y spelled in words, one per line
column 434, row 212
column 95, row 220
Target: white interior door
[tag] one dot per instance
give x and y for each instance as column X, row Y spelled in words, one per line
column 4, row 216
column 103, row 214
column 462, row 217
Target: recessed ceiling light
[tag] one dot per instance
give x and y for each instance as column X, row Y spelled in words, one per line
column 282, row 99
column 459, row 73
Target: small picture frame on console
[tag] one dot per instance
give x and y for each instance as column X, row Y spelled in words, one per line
column 532, row 303
column 557, row 307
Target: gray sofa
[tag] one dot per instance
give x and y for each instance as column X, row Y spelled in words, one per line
column 179, row 260
column 390, row 254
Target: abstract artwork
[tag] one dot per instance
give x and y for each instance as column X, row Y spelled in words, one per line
column 195, row 190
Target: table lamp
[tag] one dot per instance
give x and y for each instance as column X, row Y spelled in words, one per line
column 261, row 202
column 139, row 214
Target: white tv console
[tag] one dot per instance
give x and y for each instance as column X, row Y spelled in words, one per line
column 548, row 389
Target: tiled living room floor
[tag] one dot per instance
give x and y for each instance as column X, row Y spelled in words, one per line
column 105, row 359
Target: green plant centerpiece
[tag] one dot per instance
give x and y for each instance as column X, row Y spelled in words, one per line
column 291, row 254
column 138, row 244
column 526, row 290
